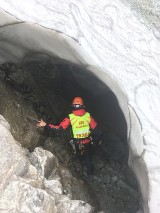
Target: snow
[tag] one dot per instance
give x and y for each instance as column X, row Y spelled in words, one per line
column 120, row 43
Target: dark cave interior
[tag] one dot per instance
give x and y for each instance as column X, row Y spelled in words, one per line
column 46, row 90
column 69, row 81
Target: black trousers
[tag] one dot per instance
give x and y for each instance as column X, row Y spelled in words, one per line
column 85, row 155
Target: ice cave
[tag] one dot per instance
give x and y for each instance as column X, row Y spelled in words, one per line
column 106, row 52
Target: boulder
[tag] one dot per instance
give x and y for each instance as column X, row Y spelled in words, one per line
column 12, row 156
column 53, row 186
column 23, row 187
column 72, row 206
column 21, row 197
column 44, row 161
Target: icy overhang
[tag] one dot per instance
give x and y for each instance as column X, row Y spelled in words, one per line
column 109, row 41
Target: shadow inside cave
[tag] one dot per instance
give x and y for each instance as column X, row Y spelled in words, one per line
column 46, row 91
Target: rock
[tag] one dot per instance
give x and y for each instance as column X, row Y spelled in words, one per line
column 21, row 197
column 16, row 178
column 12, row 158
column 61, row 198
column 16, row 111
column 22, row 167
column 53, row 186
column 16, row 77
column 32, row 178
column 44, row 161
column 30, row 137
column 114, row 179
column 21, row 183
column 122, row 184
column 72, row 206
column 4, row 123
column 139, row 211
column 2, row 75
column 32, row 172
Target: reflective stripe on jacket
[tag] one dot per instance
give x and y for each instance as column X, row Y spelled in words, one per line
column 80, row 125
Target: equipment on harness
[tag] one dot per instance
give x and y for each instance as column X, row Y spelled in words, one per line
column 81, row 144
column 91, row 139
column 81, row 147
column 72, row 143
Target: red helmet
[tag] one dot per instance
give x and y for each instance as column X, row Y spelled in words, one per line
column 77, row 103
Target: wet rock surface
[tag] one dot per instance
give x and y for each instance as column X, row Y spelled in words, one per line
column 34, row 91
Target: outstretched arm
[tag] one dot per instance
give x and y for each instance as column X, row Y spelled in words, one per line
column 63, row 125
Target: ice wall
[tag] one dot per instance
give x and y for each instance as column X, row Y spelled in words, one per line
column 107, row 38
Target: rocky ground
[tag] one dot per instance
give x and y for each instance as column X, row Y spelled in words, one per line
column 33, row 91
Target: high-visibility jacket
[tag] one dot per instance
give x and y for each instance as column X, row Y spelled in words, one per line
column 80, row 125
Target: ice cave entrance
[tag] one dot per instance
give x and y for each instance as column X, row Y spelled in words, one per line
column 67, row 81
column 49, row 87
column 58, row 83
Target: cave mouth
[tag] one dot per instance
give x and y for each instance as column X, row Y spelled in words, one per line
column 45, row 90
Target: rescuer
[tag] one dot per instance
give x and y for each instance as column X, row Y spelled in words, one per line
column 84, row 133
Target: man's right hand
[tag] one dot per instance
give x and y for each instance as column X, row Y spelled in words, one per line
column 41, row 123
